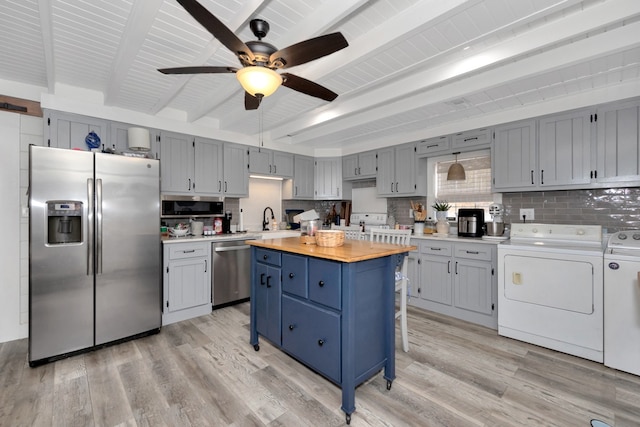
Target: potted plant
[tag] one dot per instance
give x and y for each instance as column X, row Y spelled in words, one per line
column 441, row 207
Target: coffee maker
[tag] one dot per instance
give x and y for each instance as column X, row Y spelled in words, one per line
column 226, row 222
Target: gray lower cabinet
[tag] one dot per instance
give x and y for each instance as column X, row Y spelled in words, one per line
column 456, row 279
column 186, row 281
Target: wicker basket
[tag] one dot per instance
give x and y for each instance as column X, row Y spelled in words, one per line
column 330, row 238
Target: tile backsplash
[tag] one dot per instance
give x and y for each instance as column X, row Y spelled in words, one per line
column 614, row 209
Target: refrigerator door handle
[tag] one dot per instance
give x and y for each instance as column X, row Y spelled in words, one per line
column 90, row 227
column 98, row 226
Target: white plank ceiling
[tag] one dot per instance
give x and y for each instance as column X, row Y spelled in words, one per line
column 413, row 68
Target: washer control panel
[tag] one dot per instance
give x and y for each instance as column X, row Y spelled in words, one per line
column 629, row 239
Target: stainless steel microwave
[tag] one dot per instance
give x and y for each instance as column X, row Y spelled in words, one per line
column 189, row 206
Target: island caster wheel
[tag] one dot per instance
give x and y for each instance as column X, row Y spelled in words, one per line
column 348, row 418
column 256, row 347
column 389, row 382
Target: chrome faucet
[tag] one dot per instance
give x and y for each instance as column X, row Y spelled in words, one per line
column 265, row 221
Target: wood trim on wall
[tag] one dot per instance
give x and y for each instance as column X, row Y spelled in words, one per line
column 20, row 106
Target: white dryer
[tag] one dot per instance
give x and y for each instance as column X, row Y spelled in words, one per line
column 622, row 302
column 550, row 287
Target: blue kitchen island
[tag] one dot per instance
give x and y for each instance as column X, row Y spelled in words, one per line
column 332, row 309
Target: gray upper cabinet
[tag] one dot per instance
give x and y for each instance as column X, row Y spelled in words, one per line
column 397, row 170
column 236, row 170
column 208, row 166
column 513, row 156
column 359, row 166
column 433, row 145
column 119, row 138
column 66, row 130
column 190, row 165
column 176, row 163
column 618, row 143
column 269, row 162
column 564, row 149
column 328, row 178
column 471, row 139
column 302, row 184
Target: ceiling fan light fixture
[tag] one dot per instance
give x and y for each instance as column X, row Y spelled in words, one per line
column 257, row 80
column 456, row 171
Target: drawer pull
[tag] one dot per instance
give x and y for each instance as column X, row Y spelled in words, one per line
column 320, row 342
column 291, row 275
column 262, row 278
column 292, row 327
column 321, row 283
column 188, row 252
column 435, row 249
column 265, row 257
column 472, row 252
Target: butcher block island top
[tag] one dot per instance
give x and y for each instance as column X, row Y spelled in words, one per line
column 351, row 251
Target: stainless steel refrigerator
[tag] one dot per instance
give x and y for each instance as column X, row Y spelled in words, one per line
column 94, row 252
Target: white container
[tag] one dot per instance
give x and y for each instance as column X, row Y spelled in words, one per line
column 418, row 228
column 197, row 228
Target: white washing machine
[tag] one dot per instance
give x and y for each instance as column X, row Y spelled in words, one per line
column 550, row 287
column 622, row 302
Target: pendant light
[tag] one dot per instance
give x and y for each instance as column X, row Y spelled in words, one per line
column 456, row 171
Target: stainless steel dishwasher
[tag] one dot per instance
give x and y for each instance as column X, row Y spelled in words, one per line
column 230, row 281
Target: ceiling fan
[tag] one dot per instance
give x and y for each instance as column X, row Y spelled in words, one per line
column 260, row 59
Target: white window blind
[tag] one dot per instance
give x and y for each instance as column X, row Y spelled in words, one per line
column 474, row 191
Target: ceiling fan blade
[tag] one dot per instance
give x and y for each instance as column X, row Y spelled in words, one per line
column 197, row 70
column 307, row 87
column 308, row 50
column 217, row 28
column 251, row 102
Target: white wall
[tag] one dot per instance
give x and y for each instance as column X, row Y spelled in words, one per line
column 262, row 193
column 10, row 326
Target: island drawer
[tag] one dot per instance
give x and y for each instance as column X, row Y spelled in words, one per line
column 269, row 257
column 312, row 334
column 294, row 275
column 325, row 282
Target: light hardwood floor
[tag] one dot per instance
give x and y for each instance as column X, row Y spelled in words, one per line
column 203, row 372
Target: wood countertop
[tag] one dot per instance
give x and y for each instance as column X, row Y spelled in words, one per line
column 351, row 251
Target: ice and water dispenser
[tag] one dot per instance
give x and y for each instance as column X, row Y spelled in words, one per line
column 64, row 222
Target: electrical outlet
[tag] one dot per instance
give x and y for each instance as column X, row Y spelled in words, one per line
column 527, row 214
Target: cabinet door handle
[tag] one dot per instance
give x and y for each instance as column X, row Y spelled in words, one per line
column 456, row 267
column 225, row 186
column 532, row 177
column 542, row 176
column 262, row 278
column 359, row 173
column 275, row 169
column 392, row 187
column 448, row 267
column 268, row 281
column 219, row 185
column 320, row 342
column 321, row 283
column 206, row 266
column 396, row 187
column 291, row 275
column 189, row 184
column 292, row 327
column 265, row 257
